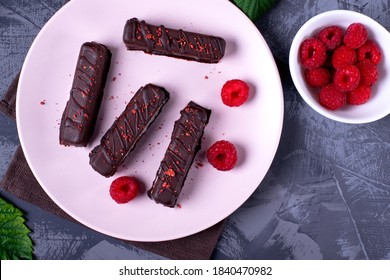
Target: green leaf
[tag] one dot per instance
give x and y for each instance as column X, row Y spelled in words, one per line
column 254, row 8
column 14, row 240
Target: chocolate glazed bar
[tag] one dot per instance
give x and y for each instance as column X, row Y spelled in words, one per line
column 79, row 117
column 139, row 35
column 185, row 143
column 121, row 138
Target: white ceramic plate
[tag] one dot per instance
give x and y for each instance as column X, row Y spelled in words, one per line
column 208, row 195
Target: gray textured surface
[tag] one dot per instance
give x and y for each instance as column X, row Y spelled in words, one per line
column 326, row 195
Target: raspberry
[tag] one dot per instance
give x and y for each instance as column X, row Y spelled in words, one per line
column 222, row 155
column 234, row 93
column 317, row 77
column 355, row 36
column 359, row 96
column 343, row 56
column 312, row 53
column 369, row 51
column 368, row 72
column 331, row 97
column 347, row 78
column 331, row 36
column 123, row 189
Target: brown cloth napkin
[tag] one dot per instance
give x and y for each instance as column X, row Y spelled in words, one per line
column 20, row 181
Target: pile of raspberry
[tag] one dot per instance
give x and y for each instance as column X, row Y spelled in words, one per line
column 342, row 65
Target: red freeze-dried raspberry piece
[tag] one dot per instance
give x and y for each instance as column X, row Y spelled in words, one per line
column 343, row 56
column 359, row 96
column 368, row 72
column 369, row 51
column 234, row 93
column 317, row 77
column 331, row 36
column 222, row 155
column 347, row 78
column 331, row 97
column 355, row 36
column 312, row 53
column 123, row 189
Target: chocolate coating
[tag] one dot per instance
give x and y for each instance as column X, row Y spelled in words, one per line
column 185, row 143
column 80, row 114
column 121, row 138
column 139, row 35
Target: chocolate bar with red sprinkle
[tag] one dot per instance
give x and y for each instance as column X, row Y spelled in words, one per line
column 180, row 154
column 125, row 132
column 81, row 110
column 159, row 40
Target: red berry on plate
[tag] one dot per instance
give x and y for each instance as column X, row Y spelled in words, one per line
column 368, row 72
column 347, row 78
column 355, row 36
column 331, row 97
column 123, row 189
column 343, row 56
column 317, row 77
column 234, row 93
column 331, row 36
column 359, row 96
column 222, row 155
column 312, row 53
column 369, row 51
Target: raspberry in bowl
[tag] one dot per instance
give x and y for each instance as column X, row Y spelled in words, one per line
column 338, row 65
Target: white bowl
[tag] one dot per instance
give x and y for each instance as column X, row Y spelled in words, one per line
column 378, row 106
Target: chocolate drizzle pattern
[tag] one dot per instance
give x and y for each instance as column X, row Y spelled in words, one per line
column 79, row 117
column 184, row 145
column 121, row 138
column 152, row 39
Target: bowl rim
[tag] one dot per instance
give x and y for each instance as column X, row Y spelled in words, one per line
column 296, row 75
